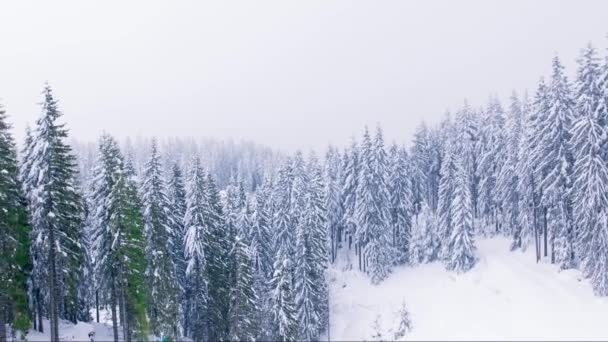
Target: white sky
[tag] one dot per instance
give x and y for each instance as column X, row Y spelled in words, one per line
column 290, row 74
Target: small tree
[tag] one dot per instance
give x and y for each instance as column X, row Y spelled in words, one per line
column 404, row 322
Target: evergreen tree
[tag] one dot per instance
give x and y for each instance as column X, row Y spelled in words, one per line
column 554, row 160
column 243, row 298
column 118, row 241
column 56, row 216
column 160, row 271
column 350, row 180
column 493, row 152
column 447, row 188
column 425, row 242
column 283, row 308
column 401, row 205
column 462, row 249
column 218, row 260
column 526, row 183
column 590, row 175
column 333, row 205
column 508, row 178
column 373, row 233
column 176, row 196
column 195, row 249
column 15, row 263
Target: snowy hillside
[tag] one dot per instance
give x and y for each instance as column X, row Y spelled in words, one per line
column 507, row 296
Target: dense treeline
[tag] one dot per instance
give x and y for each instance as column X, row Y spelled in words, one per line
column 179, row 245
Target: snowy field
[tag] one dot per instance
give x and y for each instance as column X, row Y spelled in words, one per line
column 507, row 296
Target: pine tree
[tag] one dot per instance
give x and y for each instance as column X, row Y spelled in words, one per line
column 461, row 257
column 493, row 159
column 311, row 258
column 15, row 263
column 526, row 183
column 217, row 264
column 554, row 160
column 176, row 196
column 283, row 308
column 243, row 298
column 262, row 255
column 195, row 250
column 160, row 272
column 333, row 187
column 401, row 202
column 508, row 178
column 447, row 188
column 425, row 241
column 373, row 233
column 118, row 241
column 350, row 180
column 590, row 175
column 55, row 214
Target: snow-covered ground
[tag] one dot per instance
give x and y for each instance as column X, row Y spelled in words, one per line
column 507, row 296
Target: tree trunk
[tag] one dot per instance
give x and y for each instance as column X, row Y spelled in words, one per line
column 97, row 305
column 545, row 230
column 53, row 288
column 39, row 309
column 113, row 307
column 3, row 318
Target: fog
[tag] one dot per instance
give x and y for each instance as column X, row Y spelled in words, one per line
column 283, row 73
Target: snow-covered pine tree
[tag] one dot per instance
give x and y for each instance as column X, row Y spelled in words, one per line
column 506, row 183
column 420, row 166
column 350, row 180
column 55, row 214
column 462, row 251
column 467, row 122
column 311, row 258
column 526, row 182
column 283, row 308
column 493, row 158
column 118, row 241
column 590, row 175
column 401, row 202
column 373, row 215
column 333, row 187
column 424, row 245
column 243, row 298
column 195, row 250
column 447, row 188
column 15, row 261
column 262, row 255
column 217, row 264
column 554, row 159
column 176, row 195
column 160, row 271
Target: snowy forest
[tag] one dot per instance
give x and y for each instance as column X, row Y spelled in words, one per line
column 205, row 240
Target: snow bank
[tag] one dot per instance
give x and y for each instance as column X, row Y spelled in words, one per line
column 506, row 296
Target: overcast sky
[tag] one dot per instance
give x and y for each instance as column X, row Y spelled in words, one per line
column 290, row 74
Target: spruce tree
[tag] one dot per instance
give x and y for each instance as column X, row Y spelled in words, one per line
column 195, row 250
column 15, row 263
column 217, row 270
column 461, row 256
column 243, row 298
column 508, row 178
column 373, row 233
column 590, row 175
column 554, row 159
column 118, row 241
column 176, row 196
column 56, row 216
column 401, row 202
column 160, row 271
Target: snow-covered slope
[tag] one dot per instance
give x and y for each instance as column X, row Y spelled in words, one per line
column 507, row 296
